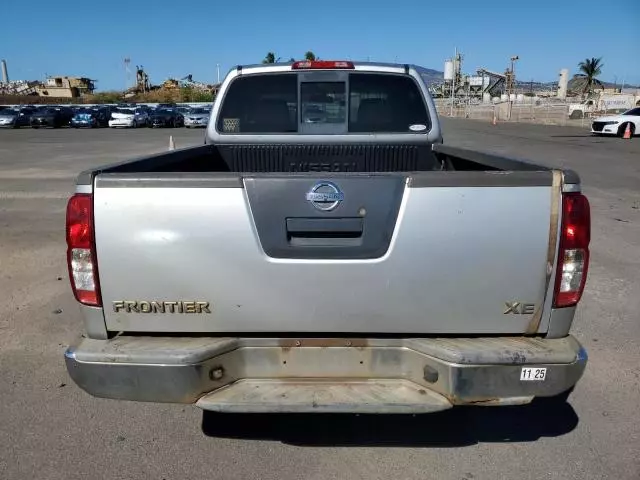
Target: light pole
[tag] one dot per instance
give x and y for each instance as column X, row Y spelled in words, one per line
column 218, row 72
column 512, row 82
column 127, row 72
column 512, row 77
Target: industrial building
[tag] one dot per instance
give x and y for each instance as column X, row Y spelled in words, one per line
column 53, row 86
column 65, row 87
column 488, row 85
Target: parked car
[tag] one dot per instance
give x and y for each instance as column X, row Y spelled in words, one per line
column 108, row 109
column 357, row 265
column 90, row 118
column 16, row 117
column 617, row 124
column 128, row 118
column 55, row 117
column 166, row 118
column 197, row 117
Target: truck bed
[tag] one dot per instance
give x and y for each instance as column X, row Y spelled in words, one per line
column 439, row 248
column 366, row 158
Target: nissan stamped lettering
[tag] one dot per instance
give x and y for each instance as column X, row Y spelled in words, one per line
column 324, row 232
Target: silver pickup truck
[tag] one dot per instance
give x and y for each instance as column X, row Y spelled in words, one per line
column 324, row 251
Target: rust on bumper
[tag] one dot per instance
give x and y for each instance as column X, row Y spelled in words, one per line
column 460, row 371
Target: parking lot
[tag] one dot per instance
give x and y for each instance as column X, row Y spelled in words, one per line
column 50, row 429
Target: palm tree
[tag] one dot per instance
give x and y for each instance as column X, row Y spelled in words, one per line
column 589, row 69
column 310, row 56
column 270, row 58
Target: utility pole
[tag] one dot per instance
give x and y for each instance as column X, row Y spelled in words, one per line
column 453, row 79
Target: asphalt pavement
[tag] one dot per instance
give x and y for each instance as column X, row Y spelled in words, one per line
column 50, row 429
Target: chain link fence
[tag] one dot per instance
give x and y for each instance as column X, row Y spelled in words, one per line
column 540, row 111
column 534, row 112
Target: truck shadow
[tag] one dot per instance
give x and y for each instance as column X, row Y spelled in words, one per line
column 457, row 427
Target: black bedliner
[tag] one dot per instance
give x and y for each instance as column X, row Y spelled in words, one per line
column 330, row 158
column 284, row 158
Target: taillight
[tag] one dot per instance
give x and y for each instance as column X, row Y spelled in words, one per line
column 81, row 254
column 321, row 65
column 573, row 255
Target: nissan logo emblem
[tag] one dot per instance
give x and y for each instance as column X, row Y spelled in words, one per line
column 325, row 196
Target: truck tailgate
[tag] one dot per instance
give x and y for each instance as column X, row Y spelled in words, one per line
column 428, row 253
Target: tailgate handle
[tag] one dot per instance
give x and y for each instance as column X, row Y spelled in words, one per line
column 324, row 231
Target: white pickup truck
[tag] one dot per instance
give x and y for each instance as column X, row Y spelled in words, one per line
column 605, row 103
column 324, row 251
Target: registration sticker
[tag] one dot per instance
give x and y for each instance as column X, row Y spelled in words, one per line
column 533, row 374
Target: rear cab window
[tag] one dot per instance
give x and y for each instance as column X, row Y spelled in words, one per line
column 323, row 102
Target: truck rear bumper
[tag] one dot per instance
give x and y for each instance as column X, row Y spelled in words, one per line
column 415, row 375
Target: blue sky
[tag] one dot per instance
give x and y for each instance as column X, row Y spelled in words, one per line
column 172, row 38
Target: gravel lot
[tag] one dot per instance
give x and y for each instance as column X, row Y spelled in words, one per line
column 50, row 429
